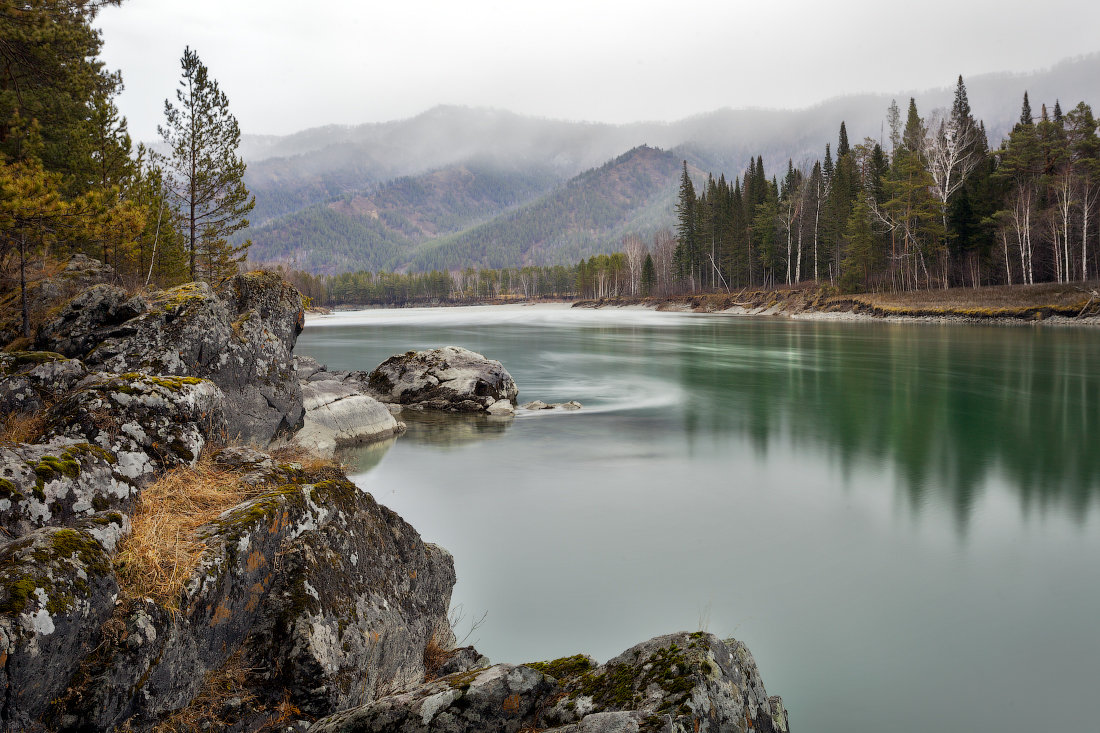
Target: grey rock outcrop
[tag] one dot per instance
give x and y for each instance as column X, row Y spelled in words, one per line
column 679, row 683
column 239, row 337
column 80, row 273
column 451, row 378
column 58, row 484
column 148, row 423
column 31, row 380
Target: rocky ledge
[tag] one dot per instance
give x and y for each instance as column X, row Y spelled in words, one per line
column 305, row 605
column 679, row 683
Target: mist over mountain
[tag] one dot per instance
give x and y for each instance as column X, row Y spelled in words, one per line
column 333, row 188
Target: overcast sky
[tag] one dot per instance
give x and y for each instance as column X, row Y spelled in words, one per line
column 289, row 65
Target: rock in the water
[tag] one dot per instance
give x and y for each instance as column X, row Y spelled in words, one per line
column 679, row 683
column 540, row 405
column 239, row 337
column 451, row 378
column 501, row 408
column 56, row 591
column 339, row 414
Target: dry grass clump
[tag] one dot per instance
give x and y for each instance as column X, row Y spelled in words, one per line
column 311, row 462
column 162, row 551
column 21, row 427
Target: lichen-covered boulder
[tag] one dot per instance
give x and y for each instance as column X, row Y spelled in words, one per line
column 329, row 597
column 31, row 380
column 339, row 414
column 354, row 604
column 56, row 591
column 451, row 378
column 679, row 683
column 240, row 337
column 147, row 423
column 59, row 483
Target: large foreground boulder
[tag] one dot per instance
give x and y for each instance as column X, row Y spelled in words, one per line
column 679, row 683
column 240, row 337
column 100, row 440
column 451, row 378
column 324, row 597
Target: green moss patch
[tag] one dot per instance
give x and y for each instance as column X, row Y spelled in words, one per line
column 565, row 668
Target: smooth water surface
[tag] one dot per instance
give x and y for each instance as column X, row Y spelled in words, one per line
column 899, row 520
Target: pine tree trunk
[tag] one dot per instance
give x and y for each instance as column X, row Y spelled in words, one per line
column 23, row 285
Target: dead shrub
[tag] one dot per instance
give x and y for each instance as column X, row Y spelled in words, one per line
column 435, row 655
column 162, row 551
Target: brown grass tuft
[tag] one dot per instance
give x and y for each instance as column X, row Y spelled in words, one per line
column 161, row 552
column 21, row 427
column 435, row 654
column 310, row 462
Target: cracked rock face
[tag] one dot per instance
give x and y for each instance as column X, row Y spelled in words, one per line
column 31, row 380
column 679, row 683
column 239, row 337
column 80, row 274
column 452, row 379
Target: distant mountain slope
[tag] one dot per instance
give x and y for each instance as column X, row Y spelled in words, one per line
column 588, row 215
column 317, row 189
column 380, row 228
column 358, row 156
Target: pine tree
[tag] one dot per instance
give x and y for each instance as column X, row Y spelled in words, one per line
column 913, row 135
column 1085, row 147
column 893, row 120
column 204, row 173
column 960, row 109
column 649, row 276
column 48, row 53
column 842, row 147
column 1025, row 112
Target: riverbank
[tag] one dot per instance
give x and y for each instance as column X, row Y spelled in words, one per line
column 1048, row 303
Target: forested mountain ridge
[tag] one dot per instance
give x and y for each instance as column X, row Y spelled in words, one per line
column 380, row 228
column 296, row 177
column 635, row 193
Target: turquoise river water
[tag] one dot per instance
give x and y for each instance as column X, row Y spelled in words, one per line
column 900, row 520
